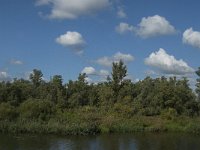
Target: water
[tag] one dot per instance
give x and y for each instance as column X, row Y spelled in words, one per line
column 139, row 141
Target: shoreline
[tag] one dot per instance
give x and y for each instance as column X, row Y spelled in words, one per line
column 105, row 125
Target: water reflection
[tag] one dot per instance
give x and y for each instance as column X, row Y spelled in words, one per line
column 137, row 141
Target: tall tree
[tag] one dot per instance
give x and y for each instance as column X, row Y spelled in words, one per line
column 36, row 77
column 198, row 84
column 119, row 71
column 56, row 89
column 77, row 91
column 57, row 81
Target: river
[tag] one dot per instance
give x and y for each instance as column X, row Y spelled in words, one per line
column 137, row 141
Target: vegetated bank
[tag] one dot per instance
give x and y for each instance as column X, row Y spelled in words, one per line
column 116, row 105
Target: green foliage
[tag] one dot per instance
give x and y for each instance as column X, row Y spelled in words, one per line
column 34, row 109
column 7, row 112
column 78, row 92
column 77, row 107
column 169, row 114
column 119, row 71
column 198, row 84
column 36, row 77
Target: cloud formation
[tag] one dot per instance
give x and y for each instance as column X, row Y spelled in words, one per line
column 148, row 27
column 89, row 71
column 72, row 9
column 89, row 80
column 154, row 26
column 92, row 71
column 121, row 14
column 16, row 62
column 4, row 76
column 107, row 61
column 104, row 73
column 191, row 37
column 168, row 64
column 72, row 40
column 124, row 28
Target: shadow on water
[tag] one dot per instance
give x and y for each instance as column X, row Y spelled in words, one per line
column 138, row 141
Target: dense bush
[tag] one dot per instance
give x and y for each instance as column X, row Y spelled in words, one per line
column 7, row 112
column 36, row 109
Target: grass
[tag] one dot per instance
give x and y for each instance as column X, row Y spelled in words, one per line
column 93, row 121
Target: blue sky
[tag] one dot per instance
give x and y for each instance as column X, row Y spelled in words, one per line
column 68, row 37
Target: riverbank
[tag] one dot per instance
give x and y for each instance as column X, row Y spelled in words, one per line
column 93, row 121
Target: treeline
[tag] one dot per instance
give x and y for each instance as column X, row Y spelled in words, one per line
column 40, row 100
column 149, row 97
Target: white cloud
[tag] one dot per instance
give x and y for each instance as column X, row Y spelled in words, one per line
column 4, row 76
column 154, row 26
column 124, row 28
column 42, row 2
column 71, row 9
column 107, row 61
column 168, row 64
column 150, row 72
column 16, row 62
column 27, row 74
column 126, row 57
column 103, row 73
column 89, row 71
column 121, row 13
column 89, row 80
column 95, row 76
column 72, row 40
column 148, row 27
column 92, row 71
column 191, row 37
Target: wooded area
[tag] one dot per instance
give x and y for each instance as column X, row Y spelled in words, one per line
column 36, row 100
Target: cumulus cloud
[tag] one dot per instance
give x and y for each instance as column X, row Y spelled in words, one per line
column 71, row 9
column 154, row 26
column 126, row 57
column 191, row 37
column 148, row 27
column 93, row 71
column 104, row 73
column 4, row 76
column 89, row 80
column 95, row 76
column 121, row 13
column 16, row 62
column 26, row 75
column 72, row 40
column 89, row 71
column 168, row 64
column 124, row 28
column 107, row 61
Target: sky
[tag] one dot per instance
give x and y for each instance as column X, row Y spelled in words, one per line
column 68, row 37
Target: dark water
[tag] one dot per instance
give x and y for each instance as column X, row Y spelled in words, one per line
column 137, row 141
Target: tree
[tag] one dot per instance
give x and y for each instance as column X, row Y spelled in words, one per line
column 57, row 81
column 77, row 91
column 198, row 84
column 119, row 71
column 36, row 77
column 56, row 90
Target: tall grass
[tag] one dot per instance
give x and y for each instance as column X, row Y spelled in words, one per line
column 88, row 120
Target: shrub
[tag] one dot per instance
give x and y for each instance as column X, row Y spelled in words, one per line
column 7, row 112
column 169, row 114
column 36, row 109
column 150, row 111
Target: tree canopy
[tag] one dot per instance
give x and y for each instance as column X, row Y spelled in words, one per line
column 148, row 97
